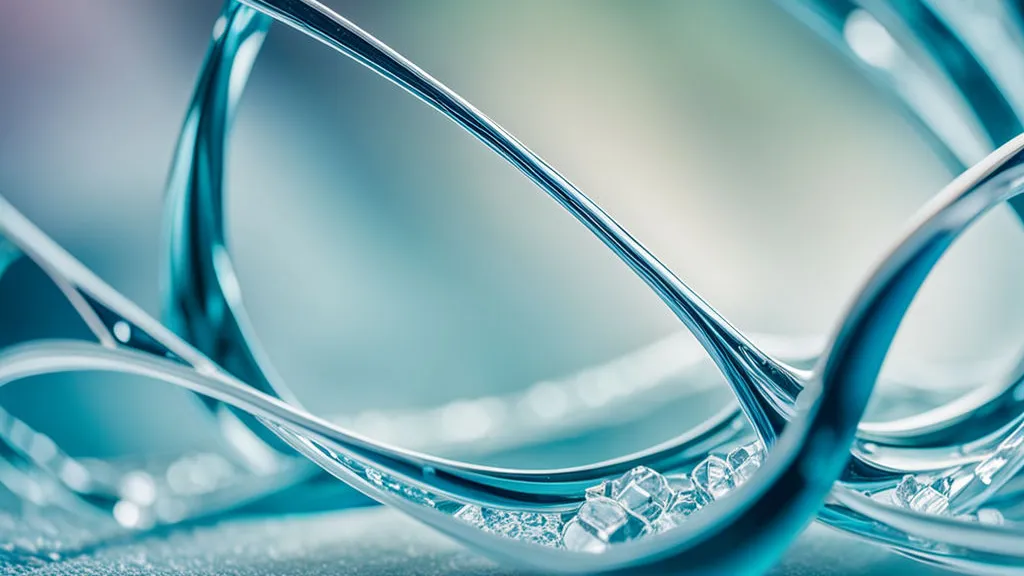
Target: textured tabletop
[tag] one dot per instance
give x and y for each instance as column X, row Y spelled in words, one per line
column 377, row 542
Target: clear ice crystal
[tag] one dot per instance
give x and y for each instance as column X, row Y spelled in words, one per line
column 642, row 492
column 714, row 476
column 687, row 497
column 684, row 503
column 604, row 516
column 642, row 501
column 679, row 482
column 578, row 538
column 662, row 524
column 915, row 495
column 535, row 527
column 906, row 490
column 930, row 501
column 599, row 522
column 639, row 502
column 745, row 460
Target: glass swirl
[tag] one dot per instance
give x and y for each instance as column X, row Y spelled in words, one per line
column 767, row 388
column 687, row 505
column 891, row 458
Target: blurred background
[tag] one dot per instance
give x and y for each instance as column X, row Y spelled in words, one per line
column 390, row 262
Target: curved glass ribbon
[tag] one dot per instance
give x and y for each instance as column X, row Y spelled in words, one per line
column 956, row 67
column 759, row 512
column 112, row 496
column 928, row 443
column 204, row 300
column 762, row 515
column 768, row 385
column 204, row 297
column 427, row 487
column 955, row 436
column 908, row 521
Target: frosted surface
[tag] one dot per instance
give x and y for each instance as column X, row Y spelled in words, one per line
column 367, row 542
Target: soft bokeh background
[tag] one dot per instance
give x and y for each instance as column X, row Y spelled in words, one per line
column 390, row 261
